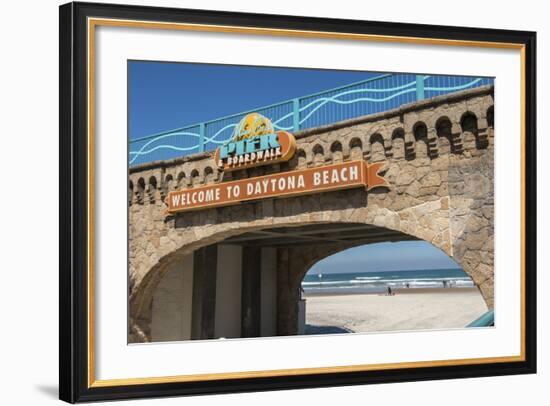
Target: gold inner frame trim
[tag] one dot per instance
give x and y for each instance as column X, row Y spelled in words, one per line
column 94, row 22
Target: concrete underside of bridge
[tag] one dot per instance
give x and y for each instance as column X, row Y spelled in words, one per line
column 439, row 168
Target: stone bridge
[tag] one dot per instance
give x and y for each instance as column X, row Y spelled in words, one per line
column 439, row 155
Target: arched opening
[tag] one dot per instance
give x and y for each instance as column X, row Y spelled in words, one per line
column 377, row 148
column 356, row 148
column 152, row 189
column 181, row 180
column 420, row 132
column 249, row 283
column 195, row 180
column 301, row 156
column 318, row 155
column 470, row 129
column 208, row 174
column 168, row 182
column 336, row 151
column 167, row 186
column 406, row 285
column 443, row 129
column 491, row 117
column 130, row 192
column 398, row 143
column 140, row 190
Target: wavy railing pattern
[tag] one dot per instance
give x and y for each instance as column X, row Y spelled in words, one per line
column 370, row 96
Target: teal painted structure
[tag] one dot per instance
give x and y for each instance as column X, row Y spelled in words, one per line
column 486, row 320
column 420, row 94
column 378, row 94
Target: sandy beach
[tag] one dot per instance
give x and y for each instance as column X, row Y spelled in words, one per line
column 408, row 309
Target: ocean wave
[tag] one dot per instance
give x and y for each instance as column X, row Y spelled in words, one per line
column 381, row 283
column 411, row 280
column 324, row 283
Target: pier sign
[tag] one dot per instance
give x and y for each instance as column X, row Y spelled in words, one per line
column 255, row 142
column 344, row 175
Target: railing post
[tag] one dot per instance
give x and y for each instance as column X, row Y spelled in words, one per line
column 420, row 87
column 202, row 131
column 296, row 114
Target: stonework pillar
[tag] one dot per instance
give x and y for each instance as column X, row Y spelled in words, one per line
column 287, row 296
column 269, row 292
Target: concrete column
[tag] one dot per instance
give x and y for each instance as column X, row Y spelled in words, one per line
column 204, row 292
column 171, row 311
column 251, row 292
column 269, row 292
column 228, row 292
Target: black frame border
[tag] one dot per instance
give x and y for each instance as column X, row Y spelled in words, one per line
column 73, row 202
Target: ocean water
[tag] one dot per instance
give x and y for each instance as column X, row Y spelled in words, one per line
column 367, row 282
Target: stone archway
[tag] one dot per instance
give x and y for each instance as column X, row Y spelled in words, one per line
column 428, row 221
column 439, row 168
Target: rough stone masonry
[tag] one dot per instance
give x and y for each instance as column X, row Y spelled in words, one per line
column 439, row 155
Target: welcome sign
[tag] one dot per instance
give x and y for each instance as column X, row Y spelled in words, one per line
column 344, row 175
column 255, row 142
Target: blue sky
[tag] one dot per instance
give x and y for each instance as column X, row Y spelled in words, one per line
column 388, row 256
column 163, row 96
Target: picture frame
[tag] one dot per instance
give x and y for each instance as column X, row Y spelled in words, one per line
column 81, row 169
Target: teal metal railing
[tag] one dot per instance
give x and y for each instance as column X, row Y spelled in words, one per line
column 369, row 96
column 485, row 320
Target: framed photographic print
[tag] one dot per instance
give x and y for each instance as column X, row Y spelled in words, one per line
column 255, row 202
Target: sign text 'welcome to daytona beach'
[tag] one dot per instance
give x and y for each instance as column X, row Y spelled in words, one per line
column 307, row 181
